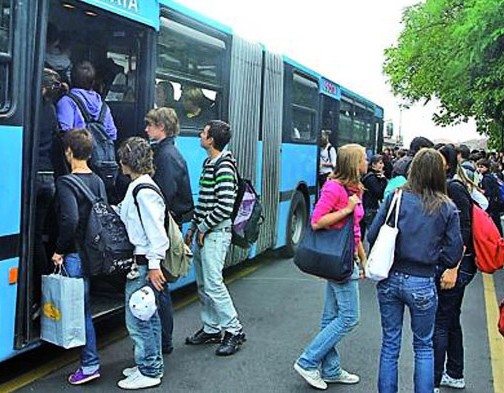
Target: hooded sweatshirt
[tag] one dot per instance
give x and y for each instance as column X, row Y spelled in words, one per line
column 217, row 193
column 70, row 117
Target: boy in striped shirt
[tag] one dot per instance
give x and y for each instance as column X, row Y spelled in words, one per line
column 212, row 225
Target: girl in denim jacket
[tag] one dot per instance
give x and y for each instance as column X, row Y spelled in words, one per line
column 320, row 362
column 430, row 218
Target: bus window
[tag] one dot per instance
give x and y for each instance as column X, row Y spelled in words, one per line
column 121, row 70
column 304, row 104
column 345, row 129
column 191, row 62
column 5, row 10
column 6, row 7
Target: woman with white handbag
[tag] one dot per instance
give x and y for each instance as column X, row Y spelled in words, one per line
column 428, row 235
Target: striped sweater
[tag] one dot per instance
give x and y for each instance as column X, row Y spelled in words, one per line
column 217, row 192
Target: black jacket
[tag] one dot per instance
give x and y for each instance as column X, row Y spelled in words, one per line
column 459, row 194
column 375, row 187
column 172, row 177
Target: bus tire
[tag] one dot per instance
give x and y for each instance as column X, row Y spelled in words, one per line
column 296, row 223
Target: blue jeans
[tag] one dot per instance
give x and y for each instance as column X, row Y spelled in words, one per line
column 90, row 362
column 146, row 335
column 448, row 339
column 419, row 295
column 218, row 312
column 166, row 316
column 340, row 316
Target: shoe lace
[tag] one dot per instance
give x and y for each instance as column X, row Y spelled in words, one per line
column 229, row 339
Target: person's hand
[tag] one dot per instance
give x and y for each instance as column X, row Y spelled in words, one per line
column 201, row 239
column 57, row 259
column 189, row 237
column 449, row 278
column 352, row 202
column 156, row 277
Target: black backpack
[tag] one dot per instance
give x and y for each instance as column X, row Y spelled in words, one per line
column 103, row 161
column 106, row 246
column 247, row 211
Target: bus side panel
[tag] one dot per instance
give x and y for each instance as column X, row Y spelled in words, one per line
column 194, row 154
column 11, row 147
column 299, row 165
column 10, row 208
column 8, row 309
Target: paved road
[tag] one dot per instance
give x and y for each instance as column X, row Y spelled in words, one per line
column 280, row 309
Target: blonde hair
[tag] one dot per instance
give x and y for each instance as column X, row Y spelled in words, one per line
column 348, row 161
column 166, row 118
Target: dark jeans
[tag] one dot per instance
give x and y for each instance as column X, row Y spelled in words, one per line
column 166, row 316
column 448, row 339
column 45, row 196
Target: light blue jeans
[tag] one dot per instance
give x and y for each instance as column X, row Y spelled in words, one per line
column 217, row 312
column 340, row 316
column 146, row 335
column 419, row 294
column 90, row 362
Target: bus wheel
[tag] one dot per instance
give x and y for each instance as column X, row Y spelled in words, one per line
column 295, row 224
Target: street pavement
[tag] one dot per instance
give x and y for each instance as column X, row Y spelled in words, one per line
column 280, row 308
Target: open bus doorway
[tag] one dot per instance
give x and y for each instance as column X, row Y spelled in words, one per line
column 117, row 48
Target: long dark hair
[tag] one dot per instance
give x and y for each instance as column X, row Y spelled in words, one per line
column 450, row 155
column 427, row 179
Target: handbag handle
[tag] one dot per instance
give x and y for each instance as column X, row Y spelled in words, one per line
column 396, row 202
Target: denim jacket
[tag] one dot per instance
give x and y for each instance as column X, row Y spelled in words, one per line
column 424, row 240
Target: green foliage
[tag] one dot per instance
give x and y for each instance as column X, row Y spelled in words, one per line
column 453, row 50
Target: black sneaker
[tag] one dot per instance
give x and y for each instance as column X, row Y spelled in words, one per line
column 201, row 337
column 230, row 343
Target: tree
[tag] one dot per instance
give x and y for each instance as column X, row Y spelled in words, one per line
column 453, row 50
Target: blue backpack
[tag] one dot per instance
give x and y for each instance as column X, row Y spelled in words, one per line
column 103, row 161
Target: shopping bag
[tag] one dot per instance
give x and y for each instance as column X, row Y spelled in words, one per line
column 62, row 315
column 381, row 257
column 327, row 253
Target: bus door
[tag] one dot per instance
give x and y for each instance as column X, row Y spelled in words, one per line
column 121, row 52
column 329, row 125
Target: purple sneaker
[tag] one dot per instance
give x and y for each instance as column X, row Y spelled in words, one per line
column 79, row 378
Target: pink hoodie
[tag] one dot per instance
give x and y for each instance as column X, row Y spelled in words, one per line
column 334, row 197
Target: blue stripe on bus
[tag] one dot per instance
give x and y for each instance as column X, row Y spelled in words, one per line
column 196, row 15
column 142, row 11
column 9, row 294
column 11, row 149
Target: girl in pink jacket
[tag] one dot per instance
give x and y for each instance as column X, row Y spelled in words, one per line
column 341, row 196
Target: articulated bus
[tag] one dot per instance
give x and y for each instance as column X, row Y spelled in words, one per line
column 150, row 52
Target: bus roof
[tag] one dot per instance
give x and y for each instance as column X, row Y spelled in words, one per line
column 196, row 15
column 142, row 11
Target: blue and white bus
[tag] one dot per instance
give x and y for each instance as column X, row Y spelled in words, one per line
column 150, row 52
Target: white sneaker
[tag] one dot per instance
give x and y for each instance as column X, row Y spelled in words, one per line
column 344, row 377
column 138, row 381
column 452, row 382
column 131, row 370
column 311, row 376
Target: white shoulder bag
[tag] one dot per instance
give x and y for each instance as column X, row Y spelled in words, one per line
column 381, row 257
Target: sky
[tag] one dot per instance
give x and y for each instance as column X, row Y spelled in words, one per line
column 342, row 40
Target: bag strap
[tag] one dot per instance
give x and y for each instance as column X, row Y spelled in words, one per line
column 75, row 181
column 396, row 203
column 142, row 186
column 82, row 108
column 221, row 159
column 87, row 116
column 103, row 113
